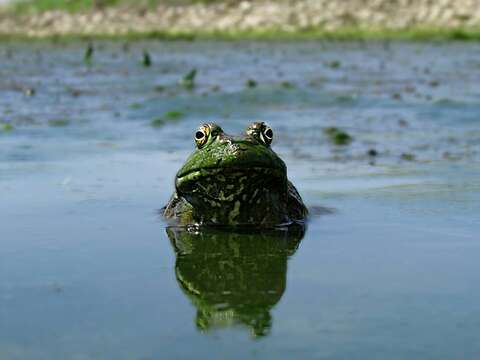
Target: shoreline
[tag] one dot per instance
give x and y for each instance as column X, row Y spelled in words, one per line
column 414, row 35
column 346, row 34
column 263, row 20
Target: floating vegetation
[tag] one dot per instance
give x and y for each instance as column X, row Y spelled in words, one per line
column 6, row 127
column 136, row 106
column 335, row 64
column 250, row 83
column 74, row 92
column 188, row 81
column 168, row 117
column 286, row 85
column 147, row 59
column 159, row 88
column 88, row 54
column 372, row 152
column 347, row 98
column 173, row 115
column 58, row 122
column 157, row 122
column 29, row 91
column 337, row 136
column 408, row 157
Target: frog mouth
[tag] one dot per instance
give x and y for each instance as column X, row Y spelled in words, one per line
column 228, row 184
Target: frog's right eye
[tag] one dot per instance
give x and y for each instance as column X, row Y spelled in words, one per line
column 201, row 136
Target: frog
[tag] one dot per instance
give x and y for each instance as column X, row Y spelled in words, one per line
column 235, row 181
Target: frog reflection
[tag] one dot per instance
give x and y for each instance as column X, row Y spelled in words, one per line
column 233, row 278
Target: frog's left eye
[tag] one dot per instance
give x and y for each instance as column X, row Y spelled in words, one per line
column 267, row 135
column 201, row 136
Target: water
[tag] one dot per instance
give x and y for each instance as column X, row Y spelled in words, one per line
column 88, row 270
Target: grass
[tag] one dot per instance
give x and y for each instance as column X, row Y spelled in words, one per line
column 344, row 34
column 37, row 6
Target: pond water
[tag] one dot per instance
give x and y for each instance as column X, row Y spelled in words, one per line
column 388, row 267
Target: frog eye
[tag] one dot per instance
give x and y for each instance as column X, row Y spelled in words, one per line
column 260, row 132
column 201, row 136
column 267, row 135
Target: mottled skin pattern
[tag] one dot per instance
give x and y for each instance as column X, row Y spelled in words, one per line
column 235, row 181
column 233, row 278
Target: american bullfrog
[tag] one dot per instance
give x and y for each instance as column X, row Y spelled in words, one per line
column 235, row 181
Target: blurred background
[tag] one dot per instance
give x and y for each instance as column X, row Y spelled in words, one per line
column 352, row 18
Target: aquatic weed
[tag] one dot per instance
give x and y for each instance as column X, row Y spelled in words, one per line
column 168, row 117
column 6, row 127
column 173, row 115
column 408, row 157
column 147, row 59
column 188, row 81
column 286, row 85
column 337, row 136
column 250, row 83
column 88, row 53
column 59, row 122
column 335, row 64
column 372, row 152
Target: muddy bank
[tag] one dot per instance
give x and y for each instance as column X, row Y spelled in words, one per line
column 255, row 16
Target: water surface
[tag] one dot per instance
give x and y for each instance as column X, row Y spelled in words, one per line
column 89, row 271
